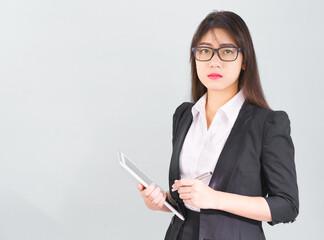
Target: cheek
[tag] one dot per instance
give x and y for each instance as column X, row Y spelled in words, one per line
column 200, row 70
column 236, row 71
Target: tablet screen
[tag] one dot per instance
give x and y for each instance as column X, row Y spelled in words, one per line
column 133, row 168
column 137, row 173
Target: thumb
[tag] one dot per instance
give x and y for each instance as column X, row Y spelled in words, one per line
column 140, row 187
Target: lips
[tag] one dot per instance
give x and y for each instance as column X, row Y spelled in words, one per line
column 215, row 76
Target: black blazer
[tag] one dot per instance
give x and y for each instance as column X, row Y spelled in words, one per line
column 257, row 160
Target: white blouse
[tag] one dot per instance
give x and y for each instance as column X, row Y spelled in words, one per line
column 201, row 148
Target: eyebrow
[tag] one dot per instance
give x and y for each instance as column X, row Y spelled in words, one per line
column 222, row 44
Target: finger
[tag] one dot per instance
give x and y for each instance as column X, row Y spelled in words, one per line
column 185, row 196
column 149, row 190
column 187, row 182
column 175, row 184
column 160, row 197
column 155, row 193
column 140, row 187
column 157, row 199
column 183, row 182
column 162, row 201
column 184, row 190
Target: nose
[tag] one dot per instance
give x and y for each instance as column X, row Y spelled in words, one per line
column 215, row 61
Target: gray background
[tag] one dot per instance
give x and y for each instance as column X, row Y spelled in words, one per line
column 81, row 80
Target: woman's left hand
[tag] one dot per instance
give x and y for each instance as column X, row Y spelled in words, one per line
column 196, row 193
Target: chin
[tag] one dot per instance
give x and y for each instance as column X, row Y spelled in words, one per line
column 218, row 86
column 216, row 89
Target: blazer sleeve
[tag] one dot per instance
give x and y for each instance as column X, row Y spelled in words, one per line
column 278, row 167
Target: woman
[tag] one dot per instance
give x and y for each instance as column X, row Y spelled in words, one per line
column 230, row 131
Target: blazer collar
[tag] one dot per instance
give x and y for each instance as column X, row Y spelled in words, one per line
column 229, row 155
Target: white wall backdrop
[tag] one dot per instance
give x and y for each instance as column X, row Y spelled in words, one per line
column 80, row 80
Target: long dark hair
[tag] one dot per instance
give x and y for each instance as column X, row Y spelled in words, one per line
column 249, row 79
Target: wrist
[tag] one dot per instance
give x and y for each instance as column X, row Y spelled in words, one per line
column 217, row 200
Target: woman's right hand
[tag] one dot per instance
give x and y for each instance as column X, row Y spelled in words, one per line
column 153, row 197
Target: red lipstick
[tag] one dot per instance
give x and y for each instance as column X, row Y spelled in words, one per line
column 214, row 76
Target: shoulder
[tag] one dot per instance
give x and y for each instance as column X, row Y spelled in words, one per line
column 271, row 123
column 180, row 114
column 268, row 115
column 183, row 108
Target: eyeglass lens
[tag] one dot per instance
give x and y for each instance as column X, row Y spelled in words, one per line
column 225, row 53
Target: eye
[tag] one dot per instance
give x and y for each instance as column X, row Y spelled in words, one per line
column 227, row 51
column 204, row 50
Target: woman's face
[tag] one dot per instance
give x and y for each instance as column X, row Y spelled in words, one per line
column 229, row 71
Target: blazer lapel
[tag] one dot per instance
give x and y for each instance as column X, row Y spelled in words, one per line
column 230, row 153
column 228, row 157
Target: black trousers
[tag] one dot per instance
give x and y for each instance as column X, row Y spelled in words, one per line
column 190, row 228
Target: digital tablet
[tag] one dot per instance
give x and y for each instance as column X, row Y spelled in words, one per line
column 140, row 176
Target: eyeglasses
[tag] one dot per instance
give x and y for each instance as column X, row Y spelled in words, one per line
column 227, row 54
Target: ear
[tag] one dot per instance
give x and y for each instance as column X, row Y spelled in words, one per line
column 243, row 67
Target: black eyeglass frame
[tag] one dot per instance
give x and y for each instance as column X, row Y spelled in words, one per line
column 194, row 50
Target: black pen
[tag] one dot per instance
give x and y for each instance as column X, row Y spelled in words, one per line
column 199, row 178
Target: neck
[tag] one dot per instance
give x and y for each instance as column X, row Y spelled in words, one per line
column 216, row 99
